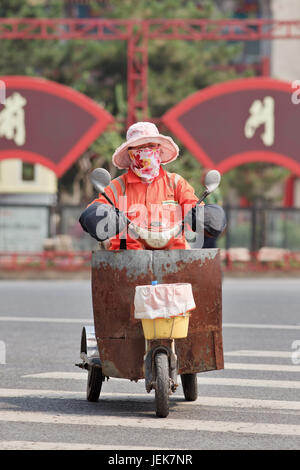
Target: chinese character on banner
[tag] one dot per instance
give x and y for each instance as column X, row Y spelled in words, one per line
column 12, row 119
column 261, row 113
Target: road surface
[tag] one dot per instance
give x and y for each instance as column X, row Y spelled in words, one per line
column 252, row 404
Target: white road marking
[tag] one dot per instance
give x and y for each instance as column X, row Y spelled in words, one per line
column 202, row 380
column 31, row 445
column 119, row 396
column 45, row 319
column 25, row 392
column 264, row 367
column 151, row 423
column 7, row 318
column 224, row 402
column 58, row 375
column 64, row 376
column 257, row 353
column 67, row 394
column 261, row 325
column 249, row 382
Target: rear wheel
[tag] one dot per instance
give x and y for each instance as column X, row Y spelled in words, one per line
column 162, row 384
column 94, row 383
column 190, row 386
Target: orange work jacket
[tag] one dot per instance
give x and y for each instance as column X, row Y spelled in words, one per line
column 168, row 195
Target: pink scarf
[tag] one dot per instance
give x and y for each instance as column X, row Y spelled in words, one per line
column 145, row 162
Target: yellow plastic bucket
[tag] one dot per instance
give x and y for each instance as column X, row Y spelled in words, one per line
column 163, row 328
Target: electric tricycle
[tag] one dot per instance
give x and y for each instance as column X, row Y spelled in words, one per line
column 157, row 313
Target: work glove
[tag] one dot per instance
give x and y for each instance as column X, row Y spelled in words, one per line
column 209, row 218
column 102, row 221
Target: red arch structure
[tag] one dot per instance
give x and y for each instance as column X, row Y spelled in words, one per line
column 48, row 123
column 212, row 124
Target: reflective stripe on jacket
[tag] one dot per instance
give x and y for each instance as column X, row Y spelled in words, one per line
column 168, row 196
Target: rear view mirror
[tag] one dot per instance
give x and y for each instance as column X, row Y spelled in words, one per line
column 212, row 180
column 100, row 178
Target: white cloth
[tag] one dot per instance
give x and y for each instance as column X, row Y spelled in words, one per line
column 163, row 300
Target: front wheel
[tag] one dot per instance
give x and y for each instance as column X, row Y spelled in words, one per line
column 190, row 386
column 94, row 383
column 162, row 384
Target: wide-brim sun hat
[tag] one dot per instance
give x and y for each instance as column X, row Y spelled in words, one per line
column 144, row 133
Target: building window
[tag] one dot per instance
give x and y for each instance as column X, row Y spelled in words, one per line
column 28, row 171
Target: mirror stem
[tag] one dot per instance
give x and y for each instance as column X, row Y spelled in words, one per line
column 112, row 204
column 206, row 193
column 109, row 200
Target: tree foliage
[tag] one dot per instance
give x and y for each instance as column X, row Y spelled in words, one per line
column 254, row 182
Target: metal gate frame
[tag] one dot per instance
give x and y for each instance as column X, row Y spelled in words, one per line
column 137, row 33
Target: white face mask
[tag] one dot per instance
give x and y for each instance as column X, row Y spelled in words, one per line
column 145, row 162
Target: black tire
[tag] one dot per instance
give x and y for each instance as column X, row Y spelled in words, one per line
column 190, row 386
column 162, row 384
column 94, row 383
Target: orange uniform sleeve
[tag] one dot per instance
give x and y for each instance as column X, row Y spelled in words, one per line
column 185, row 193
column 102, row 199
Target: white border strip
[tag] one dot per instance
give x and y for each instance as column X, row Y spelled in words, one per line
column 148, row 423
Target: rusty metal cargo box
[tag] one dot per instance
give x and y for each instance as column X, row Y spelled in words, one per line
column 120, row 339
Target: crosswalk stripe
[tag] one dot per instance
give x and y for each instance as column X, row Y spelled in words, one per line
column 148, row 423
column 45, row 319
column 63, row 376
column 261, row 325
column 257, row 353
column 35, row 445
column 27, row 392
column 201, row 380
column 248, row 403
column 249, row 382
column 57, row 375
column 7, row 318
column 120, row 396
column 264, row 367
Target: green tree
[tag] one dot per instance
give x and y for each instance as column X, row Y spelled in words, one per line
column 254, row 182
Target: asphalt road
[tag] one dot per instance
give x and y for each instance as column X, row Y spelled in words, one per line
column 252, row 404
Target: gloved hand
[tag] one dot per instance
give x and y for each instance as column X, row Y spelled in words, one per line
column 102, row 221
column 211, row 218
column 214, row 220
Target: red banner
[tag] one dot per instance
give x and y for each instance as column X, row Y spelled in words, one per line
column 241, row 121
column 47, row 123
